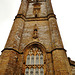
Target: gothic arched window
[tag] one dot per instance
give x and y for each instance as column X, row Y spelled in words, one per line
column 28, row 59
column 41, row 71
column 37, row 71
column 27, row 71
column 31, row 71
column 41, row 59
column 32, row 59
column 34, row 62
column 37, row 59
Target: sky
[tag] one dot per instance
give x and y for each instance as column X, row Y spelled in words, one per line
column 65, row 13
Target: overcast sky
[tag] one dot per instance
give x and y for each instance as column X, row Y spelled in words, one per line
column 65, row 13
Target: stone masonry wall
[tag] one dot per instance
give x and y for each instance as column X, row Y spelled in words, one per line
column 43, row 10
column 43, row 34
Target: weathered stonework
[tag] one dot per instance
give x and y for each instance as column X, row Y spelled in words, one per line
column 45, row 36
column 55, row 35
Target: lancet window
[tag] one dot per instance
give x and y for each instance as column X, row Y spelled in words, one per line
column 34, row 62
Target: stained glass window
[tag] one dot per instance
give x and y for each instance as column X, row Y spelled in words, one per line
column 41, row 59
column 27, row 71
column 28, row 60
column 34, row 62
column 31, row 71
column 37, row 71
column 41, row 71
column 37, row 59
column 32, row 59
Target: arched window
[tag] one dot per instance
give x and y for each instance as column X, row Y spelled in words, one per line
column 37, row 71
column 41, row 71
column 31, row 71
column 41, row 59
column 27, row 71
column 28, row 60
column 37, row 59
column 34, row 62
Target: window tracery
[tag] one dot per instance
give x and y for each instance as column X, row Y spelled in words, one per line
column 34, row 62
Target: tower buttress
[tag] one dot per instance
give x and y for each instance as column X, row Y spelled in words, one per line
column 59, row 56
column 9, row 57
column 14, row 40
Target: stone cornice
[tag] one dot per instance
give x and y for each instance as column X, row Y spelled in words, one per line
column 20, row 16
column 22, row 52
column 12, row 50
column 56, row 49
column 36, row 19
column 51, row 15
column 71, row 62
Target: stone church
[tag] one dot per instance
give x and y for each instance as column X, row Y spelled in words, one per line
column 34, row 45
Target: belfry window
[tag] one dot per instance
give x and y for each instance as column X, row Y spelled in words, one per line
column 34, row 62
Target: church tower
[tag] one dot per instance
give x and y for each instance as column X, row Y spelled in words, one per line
column 34, row 45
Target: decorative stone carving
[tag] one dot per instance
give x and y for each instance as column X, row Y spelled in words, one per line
column 35, row 32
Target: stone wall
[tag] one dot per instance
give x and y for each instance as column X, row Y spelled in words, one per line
column 43, row 34
column 72, row 64
column 43, row 10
